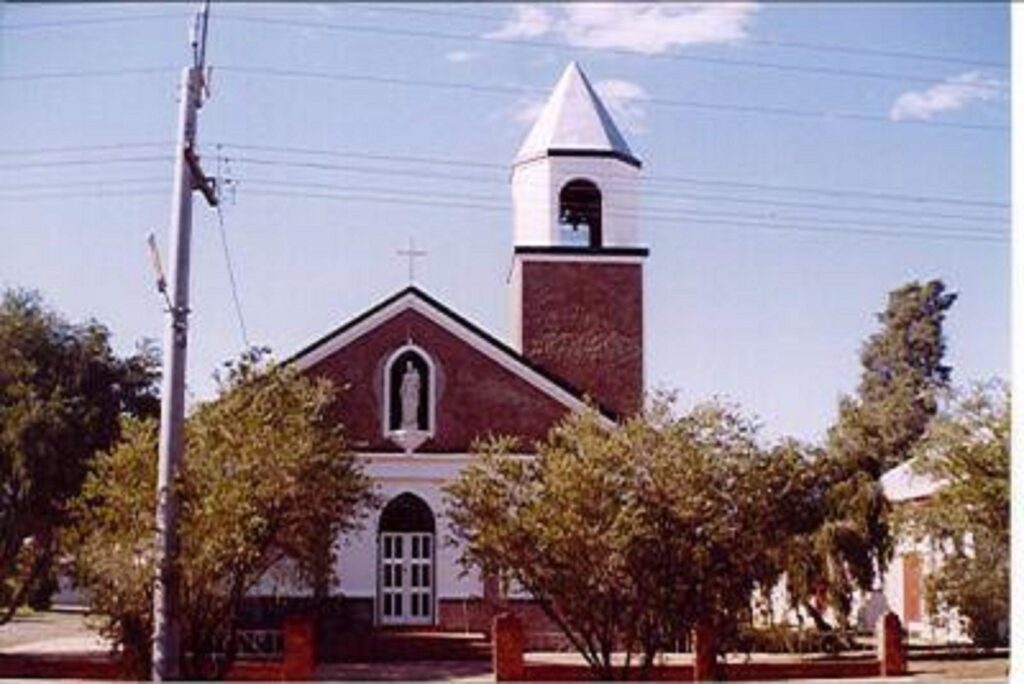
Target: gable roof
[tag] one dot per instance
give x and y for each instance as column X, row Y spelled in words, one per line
column 575, row 121
column 905, row 483
column 412, row 297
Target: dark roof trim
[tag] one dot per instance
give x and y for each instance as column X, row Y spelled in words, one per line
column 465, row 323
column 569, row 152
column 352, row 322
column 572, row 250
column 612, row 154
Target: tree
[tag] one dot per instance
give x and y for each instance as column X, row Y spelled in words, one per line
column 63, row 393
column 903, row 375
column 630, row 535
column 968, row 519
column 267, row 486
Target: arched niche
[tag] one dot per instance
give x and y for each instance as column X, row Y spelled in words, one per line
column 409, row 396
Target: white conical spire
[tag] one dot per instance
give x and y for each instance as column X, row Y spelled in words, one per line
column 574, row 119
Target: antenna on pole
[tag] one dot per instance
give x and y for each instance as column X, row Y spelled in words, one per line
column 197, row 36
column 158, row 269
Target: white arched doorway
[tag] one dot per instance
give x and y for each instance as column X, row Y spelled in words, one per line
column 405, row 550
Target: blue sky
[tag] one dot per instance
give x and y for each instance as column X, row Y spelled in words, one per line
column 771, row 317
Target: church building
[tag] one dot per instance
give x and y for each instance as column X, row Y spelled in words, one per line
column 422, row 383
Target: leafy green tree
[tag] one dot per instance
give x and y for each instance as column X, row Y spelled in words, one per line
column 902, row 378
column 968, row 520
column 266, row 487
column 630, row 535
column 63, row 393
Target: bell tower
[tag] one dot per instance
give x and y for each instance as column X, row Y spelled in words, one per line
column 577, row 272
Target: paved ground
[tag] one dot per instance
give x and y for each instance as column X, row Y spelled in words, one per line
column 449, row 671
column 50, row 632
column 961, row 670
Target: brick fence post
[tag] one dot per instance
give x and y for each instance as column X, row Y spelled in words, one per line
column 299, row 647
column 508, row 648
column 704, row 653
column 892, row 654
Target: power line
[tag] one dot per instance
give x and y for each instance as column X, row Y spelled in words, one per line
column 659, row 212
column 81, row 148
column 855, row 193
column 698, row 59
column 84, row 162
column 517, row 90
column 443, row 161
column 866, row 194
column 231, row 278
column 767, row 42
column 96, row 73
column 7, row 187
column 728, row 223
column 653, row 179
column 63, row 23
column 92, row 194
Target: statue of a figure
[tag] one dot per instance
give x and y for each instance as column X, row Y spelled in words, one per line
column 410, row 393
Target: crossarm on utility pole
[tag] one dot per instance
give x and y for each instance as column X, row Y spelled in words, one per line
column 207, row 186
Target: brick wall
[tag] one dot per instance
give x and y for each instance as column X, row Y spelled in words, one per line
column 475, row 395
column 583, row 321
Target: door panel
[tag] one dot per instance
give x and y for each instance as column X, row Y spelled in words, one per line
column 406, row 578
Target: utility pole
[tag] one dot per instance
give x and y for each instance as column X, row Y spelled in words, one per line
column 188, row 177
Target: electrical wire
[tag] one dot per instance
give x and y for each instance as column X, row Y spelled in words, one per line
column 766, row 42
column 858, row 117
column 647, row 211
column 967, row 237
column 27, row 151
column 696, row 59
column 84, row 162
column 96, row 73
column 231, row 278
column 64, row 23
column 654, row 179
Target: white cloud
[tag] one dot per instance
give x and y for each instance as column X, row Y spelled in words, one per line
column 623, row 99
column 648, row 28
column 527, row 21
column 460, row 56
column 950, row 95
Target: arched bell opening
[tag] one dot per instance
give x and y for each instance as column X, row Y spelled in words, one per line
column 579, row 210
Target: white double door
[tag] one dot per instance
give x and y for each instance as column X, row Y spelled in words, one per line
column 406, row 578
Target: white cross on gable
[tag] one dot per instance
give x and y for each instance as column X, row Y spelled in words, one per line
column 412, row 253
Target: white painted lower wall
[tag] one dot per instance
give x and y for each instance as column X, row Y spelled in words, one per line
column 393, row 474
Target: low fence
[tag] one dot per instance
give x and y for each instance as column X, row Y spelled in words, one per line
column 889, row 660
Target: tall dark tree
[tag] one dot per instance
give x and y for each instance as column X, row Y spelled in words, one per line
column 903, row 375
column 63, row 392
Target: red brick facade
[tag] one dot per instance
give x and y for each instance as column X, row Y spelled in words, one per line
column 582, row 320
column 475, row 396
